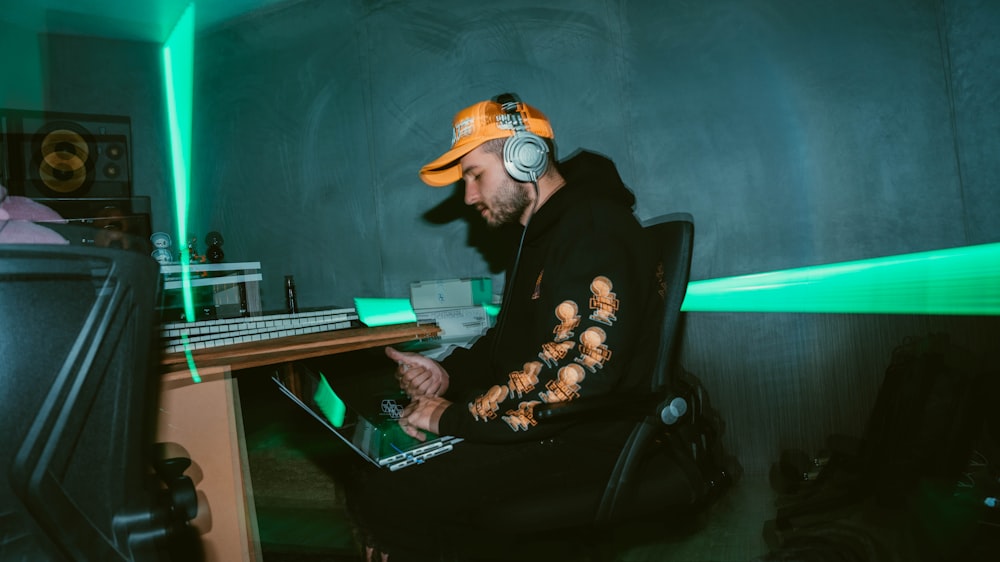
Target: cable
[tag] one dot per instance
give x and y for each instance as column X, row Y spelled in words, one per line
column 509, row 284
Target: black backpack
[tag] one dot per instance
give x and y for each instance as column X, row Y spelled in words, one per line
column 916, row 486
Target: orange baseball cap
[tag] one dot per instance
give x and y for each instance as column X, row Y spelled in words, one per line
column 475, row 125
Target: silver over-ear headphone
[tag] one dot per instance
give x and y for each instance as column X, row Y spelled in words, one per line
column 525, row 155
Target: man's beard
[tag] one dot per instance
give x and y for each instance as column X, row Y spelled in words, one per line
column 509, row 204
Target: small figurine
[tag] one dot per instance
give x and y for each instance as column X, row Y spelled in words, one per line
column 214, row 252
column 193, row 255
column 161, row 248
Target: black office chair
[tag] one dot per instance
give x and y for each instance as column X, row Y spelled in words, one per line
column 672, row 464
column 77, row 406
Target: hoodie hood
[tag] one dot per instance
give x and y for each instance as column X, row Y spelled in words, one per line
column 592, row 181
column 596, row 176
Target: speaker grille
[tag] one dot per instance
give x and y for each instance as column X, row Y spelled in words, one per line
column 66, row 155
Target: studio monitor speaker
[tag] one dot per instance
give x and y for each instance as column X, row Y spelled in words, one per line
column 48, row 154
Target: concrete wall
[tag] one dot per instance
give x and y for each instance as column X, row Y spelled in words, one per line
column 86, row 75
column 796, row 133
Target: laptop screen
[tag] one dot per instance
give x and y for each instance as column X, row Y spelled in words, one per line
column 362, row 409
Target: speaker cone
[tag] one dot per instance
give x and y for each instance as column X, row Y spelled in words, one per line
column 114, row 151
column 112, row 171
column 65, row 159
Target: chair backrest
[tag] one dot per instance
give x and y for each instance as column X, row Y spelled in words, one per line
column 76, row 401
column 673, row 236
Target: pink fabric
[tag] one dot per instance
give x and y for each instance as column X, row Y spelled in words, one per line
column 17, row 221
column 27, row 232
column 23, row 208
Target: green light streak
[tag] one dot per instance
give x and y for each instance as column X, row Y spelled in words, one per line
column 381, row 312
column 959, row 281
column 492, row 311
column 192, row 368
column 329, row 403
column 178, row 79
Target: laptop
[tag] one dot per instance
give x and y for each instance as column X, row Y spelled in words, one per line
column 362, row 408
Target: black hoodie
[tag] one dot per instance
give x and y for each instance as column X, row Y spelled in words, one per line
column 577, row 316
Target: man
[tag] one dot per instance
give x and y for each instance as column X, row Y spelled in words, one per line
column 575, row 322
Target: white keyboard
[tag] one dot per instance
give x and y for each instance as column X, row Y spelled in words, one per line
column 181, row 336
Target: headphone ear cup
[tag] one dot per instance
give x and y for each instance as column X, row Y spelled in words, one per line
column 525, row 156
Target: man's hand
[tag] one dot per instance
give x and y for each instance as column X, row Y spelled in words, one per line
column 418, row 375
column 423, row 414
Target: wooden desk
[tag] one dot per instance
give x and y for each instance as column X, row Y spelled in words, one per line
column 203, row 421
